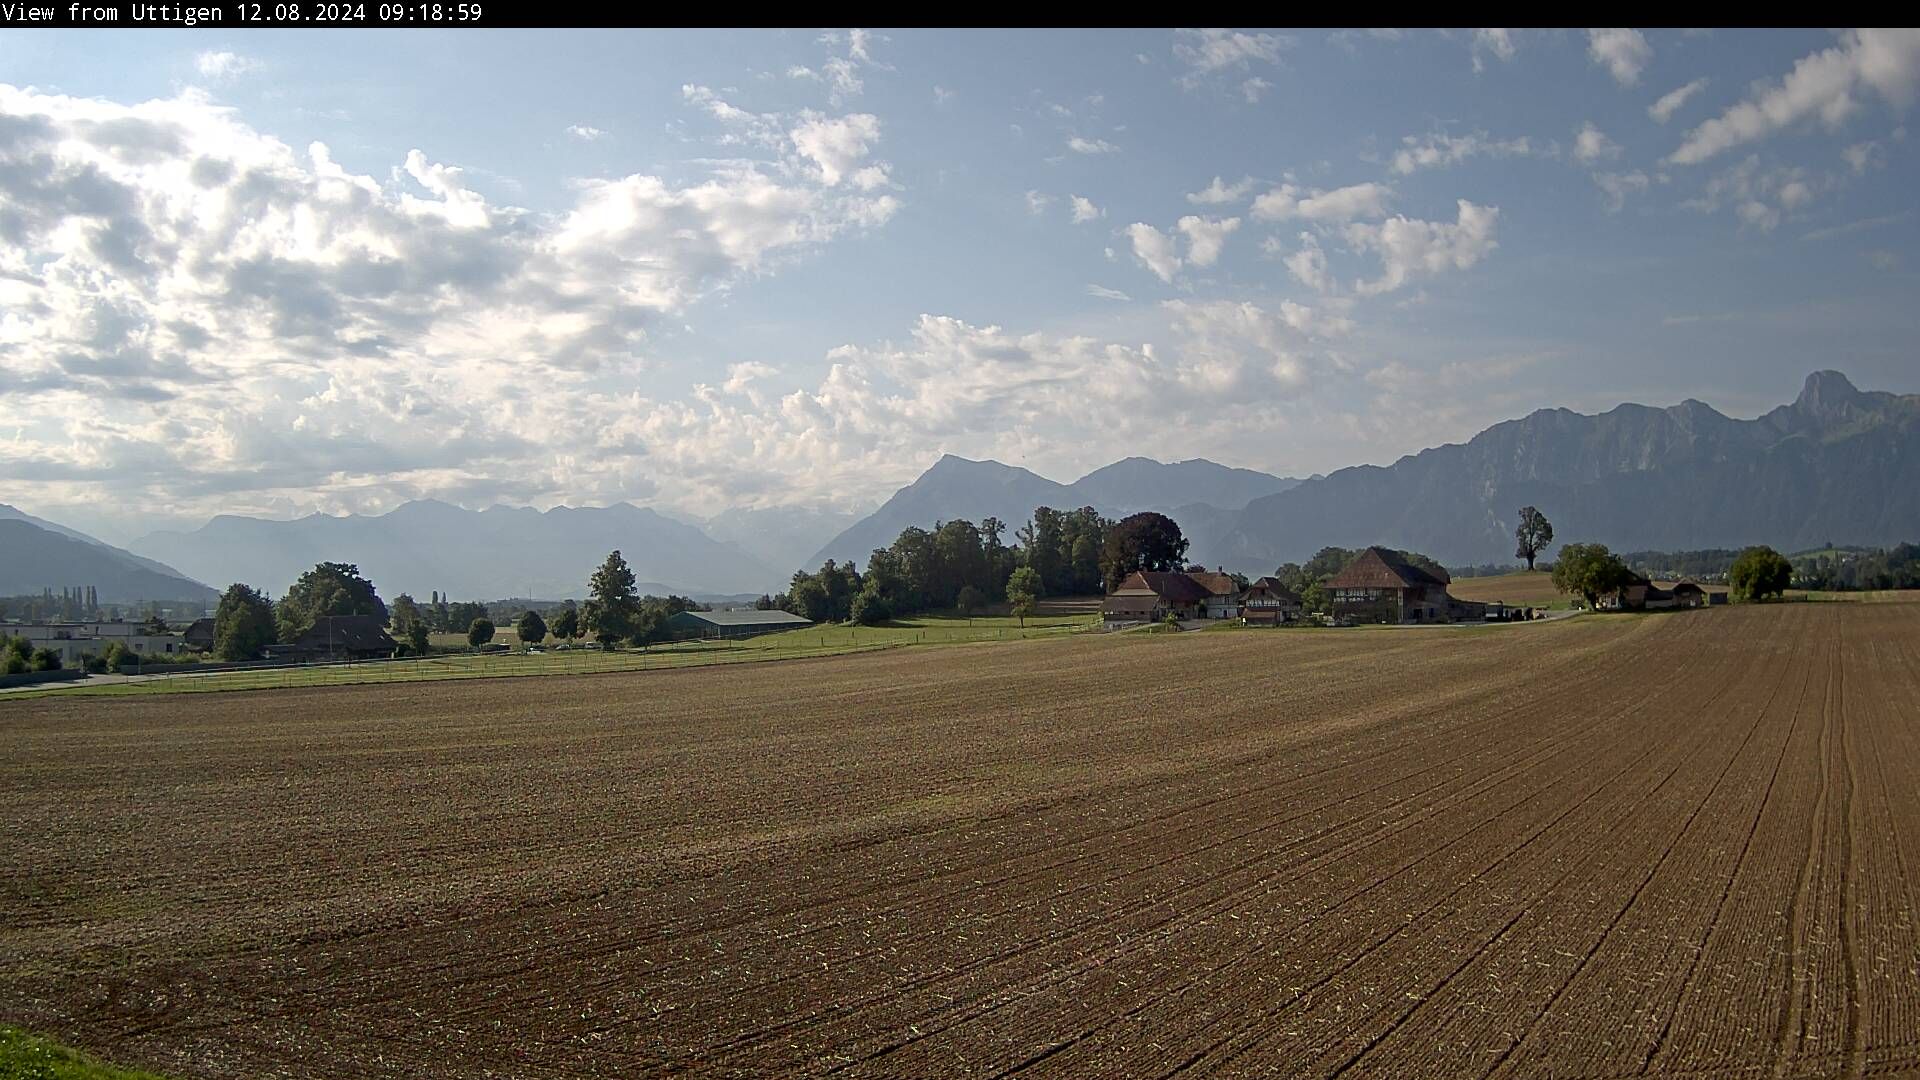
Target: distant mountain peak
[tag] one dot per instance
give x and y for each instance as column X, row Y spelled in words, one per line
column 1827, row 393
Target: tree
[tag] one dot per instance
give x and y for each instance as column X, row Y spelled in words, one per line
column 156, row 623
column 970, row 600
column 1143, row 541
column 403, row 613
column 418, row 643
column 1314, row 598
column 1023, row 590
column 532, row 629
column 613, row 606
column 1759, row 572
column 1533, row 535
column 480, row 632
column 1590, row 570
column 46, row 660
column 328, row 589
column 566, row 625
column 870, row 607
column 243, row 624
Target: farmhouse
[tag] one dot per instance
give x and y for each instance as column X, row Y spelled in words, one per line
column 732, row 624
column 1268, row 603
column 1381, row 587
column 1640, row 594
column 1152, row 595
column 1223, row 594
column 344, row 637
column 199, row 635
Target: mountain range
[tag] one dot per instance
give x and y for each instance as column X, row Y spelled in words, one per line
column 39, row 554
column 1199, row 494
column 1838, row 463
column 429, row 545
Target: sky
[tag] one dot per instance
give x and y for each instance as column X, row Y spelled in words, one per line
column 275, row 273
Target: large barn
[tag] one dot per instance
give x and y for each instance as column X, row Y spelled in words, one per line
column 732, row 624
column 1152, row 595
column 1381, row 587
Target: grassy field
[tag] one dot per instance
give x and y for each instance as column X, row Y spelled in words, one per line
column 788, row 645
column 1522, row 589
column 1671, row 845
column 24, row 1057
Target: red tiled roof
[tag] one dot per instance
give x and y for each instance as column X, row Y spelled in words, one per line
column 1378, row 568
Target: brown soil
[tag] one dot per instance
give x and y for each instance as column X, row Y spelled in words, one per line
column 1683, row 844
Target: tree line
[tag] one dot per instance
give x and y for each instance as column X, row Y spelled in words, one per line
column 958, row 565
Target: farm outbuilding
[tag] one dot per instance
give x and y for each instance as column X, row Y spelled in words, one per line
column 732, row 624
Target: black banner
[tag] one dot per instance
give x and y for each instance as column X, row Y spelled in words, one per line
column 281, row 14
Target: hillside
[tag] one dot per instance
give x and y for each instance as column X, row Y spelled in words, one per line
column 33, row 558
column 503, row 551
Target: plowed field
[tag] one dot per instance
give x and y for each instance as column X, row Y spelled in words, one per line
column 1673, row 845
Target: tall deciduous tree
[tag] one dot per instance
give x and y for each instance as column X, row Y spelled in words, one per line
column 1143, row 541
column 566, row 625
column 243, row 624
column 480, row 632
column 1590, row 570
column 328, row 589
column 531, row 629
column 1759, row 572
column 1533, row 535
column 611, row 611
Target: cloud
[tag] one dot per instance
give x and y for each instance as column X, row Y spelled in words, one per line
column 1105, row 293
column 1863, row 155
column 1590, row 144
column 1091, row 146
column 1286, row 202
column 1824, row 85
column 1623, row 52
column 1084, row 210
column 1309, row 265
column 584, row 133
column 195, row 314
column 1251, row 89
column 1205, row 237
column 1670, row 102
column 1154, row 250
column 1760, row 197
column 1495, row 40
column 1209, row 52
column 1435, row 151
column 1037, row 202
column 1410, row 248
column 742, row 376
column 1617, row 186
column 1883, row 260
column 1220, row 193
column 223, row 65
column 1859, row 226
column 837, row 146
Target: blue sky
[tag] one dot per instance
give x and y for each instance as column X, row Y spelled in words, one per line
column 709, row 269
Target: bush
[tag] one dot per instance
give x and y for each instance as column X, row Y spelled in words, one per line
column 13, row 664
column 96, row 665
column 46, row 660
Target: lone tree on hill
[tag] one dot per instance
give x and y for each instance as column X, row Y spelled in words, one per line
column 1759, row 572
column 613, row 606
column 1590, row 570
column 480, row 632
column 531, row 628
column 1143, row 541
column 1533, row 535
